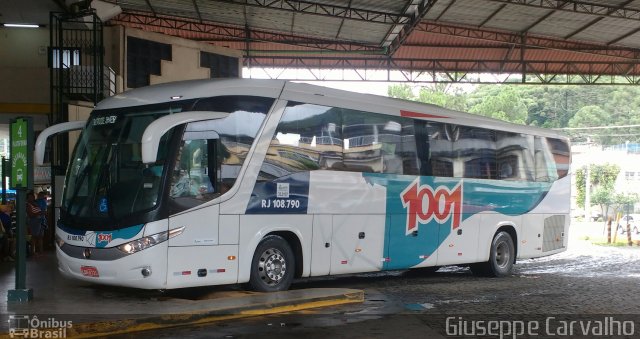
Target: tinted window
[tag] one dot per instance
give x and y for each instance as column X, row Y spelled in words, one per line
column 144, row 57
column 514, row 156
column 545, row 166
column 378, row 143
column 309, row 137
column 213, row 151
column 561, row 155
column 471, row 152
column 312, row 137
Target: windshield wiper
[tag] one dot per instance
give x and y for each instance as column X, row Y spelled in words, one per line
column 106, row 174
column 78, row 185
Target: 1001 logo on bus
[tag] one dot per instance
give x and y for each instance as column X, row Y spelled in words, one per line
column 424, row 203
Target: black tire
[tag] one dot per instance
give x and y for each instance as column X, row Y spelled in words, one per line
column 501, row 257
column 272, row 266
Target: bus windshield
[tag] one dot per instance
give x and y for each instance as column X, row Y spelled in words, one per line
column 107, row 185
column 106, row 177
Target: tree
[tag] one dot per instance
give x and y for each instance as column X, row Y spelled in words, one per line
column 444, row 95
column 504, row 103
column 401, row 91
column 602, row 176
column 590, row 116
column 545, row 106
column 551, row 106
column 624, row 202
column 603, row 196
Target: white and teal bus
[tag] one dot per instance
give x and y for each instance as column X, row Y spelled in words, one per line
column 231, row 181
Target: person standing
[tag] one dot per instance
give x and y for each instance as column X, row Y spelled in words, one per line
column 6, row 248
column 34, row 219
column 42, row 204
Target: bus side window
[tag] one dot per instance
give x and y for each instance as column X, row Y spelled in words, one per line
column 545, row 165
column 514, row 156
column 561, row 155
column 192, row 176
column 475, row 149
column 308, row 137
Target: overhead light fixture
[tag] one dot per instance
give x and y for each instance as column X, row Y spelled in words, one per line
column 22, row 25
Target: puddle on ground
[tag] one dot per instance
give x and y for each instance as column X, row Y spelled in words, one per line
column 583, row 259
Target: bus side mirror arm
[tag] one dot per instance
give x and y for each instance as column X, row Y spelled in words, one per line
column 41, row 142
column 154, row 132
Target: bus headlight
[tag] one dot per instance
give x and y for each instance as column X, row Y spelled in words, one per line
column 149, row 241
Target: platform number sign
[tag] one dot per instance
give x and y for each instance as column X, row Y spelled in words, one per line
column 21, row 153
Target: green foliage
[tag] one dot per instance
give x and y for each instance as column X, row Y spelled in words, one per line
column 604, row 175
column 443, row 95
column 591, row 116
column 504, row 103
column 544, row 106
column 603, row 196
column 588, row 116
column 402, row 91
column 580, row 176
column 625, row 201
column 603, row 178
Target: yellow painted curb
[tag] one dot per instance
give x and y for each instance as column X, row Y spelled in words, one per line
column 124, row 326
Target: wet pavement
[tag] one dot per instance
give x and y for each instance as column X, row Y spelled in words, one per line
column 97, row 310
column 587, row 281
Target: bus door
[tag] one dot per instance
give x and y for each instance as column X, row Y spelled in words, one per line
column 196, row 256
column 412, row 234
column 411, row 242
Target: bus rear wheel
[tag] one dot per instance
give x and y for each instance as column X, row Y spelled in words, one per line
column 272, row 266
column 501, row 258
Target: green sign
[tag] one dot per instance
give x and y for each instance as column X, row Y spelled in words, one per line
column 21, row 148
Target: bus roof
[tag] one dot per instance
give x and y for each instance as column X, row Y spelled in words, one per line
column 192, row 89
column 302, row 92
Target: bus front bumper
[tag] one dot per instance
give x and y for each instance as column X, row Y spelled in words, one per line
column 146, row 269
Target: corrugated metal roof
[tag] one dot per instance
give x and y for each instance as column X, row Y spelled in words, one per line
column 561, row 24
column 412, row 32
column 393, row 6
column 363, row 31
column 472, row 13
column 633, row 5
column 220, row 12
column 513, row 18
column 607, row 30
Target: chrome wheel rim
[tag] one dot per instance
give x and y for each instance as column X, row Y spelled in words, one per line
column 503, row 255
column 272, row 266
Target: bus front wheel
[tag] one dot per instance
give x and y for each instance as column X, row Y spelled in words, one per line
column 501, row 258
column 273, row 266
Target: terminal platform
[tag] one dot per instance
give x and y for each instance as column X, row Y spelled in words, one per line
column 88, row 310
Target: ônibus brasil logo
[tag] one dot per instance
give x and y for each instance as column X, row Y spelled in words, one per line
column 424, row 203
